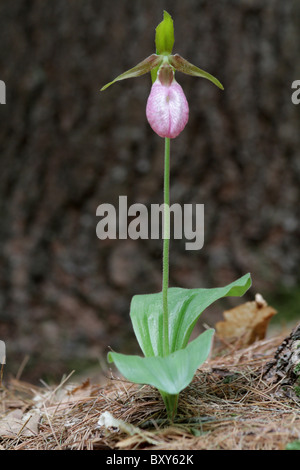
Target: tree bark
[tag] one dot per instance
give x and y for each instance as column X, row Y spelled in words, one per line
column 284, row 369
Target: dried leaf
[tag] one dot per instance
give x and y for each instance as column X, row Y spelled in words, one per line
column 247, row 322
column 83, row 386
column 107, row 421
column 16, row 423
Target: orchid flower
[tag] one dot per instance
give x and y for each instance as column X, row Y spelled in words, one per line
column 167, row 108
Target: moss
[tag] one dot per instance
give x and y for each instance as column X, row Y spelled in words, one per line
column 230, row 378
column 297, row 390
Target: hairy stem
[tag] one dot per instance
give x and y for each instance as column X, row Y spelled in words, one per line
column 166, row 237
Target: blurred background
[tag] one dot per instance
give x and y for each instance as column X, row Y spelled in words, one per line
column 67, row 148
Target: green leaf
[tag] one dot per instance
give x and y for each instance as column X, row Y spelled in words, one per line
column 294, row 445
column 185, row 307
column 182, row 65
column 164, row 37
column 140, row 69
column 169, row 374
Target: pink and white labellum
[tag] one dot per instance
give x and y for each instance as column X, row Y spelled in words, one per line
column 167, row 109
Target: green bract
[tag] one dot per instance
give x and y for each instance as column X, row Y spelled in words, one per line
column 164, row 37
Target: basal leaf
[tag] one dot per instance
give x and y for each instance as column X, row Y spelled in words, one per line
column 185, row 307
column 169, row 374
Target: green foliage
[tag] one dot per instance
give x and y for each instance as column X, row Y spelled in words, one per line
column 185, row 307
column 169, row 374
column 297, row 390
column 297, row 367
column 294, row 445
column 172, row 373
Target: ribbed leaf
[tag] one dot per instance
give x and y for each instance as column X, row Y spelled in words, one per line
column 185, row 307
column 169, row 374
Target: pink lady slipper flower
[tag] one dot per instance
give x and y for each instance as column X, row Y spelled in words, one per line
column 169, row 362
column 167, row 109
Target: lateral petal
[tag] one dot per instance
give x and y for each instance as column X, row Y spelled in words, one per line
column 143, row 67
column 182, row 65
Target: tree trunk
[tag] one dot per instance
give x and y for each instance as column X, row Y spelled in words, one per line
column 284, row 369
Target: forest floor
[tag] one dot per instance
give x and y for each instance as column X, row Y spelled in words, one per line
column 229, row 405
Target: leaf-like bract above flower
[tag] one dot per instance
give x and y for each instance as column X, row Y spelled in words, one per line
column 141, row 68
column 164, row 35
column 182, row 65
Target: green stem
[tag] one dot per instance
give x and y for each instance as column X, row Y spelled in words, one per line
column 166, row 236
column 171, row 403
